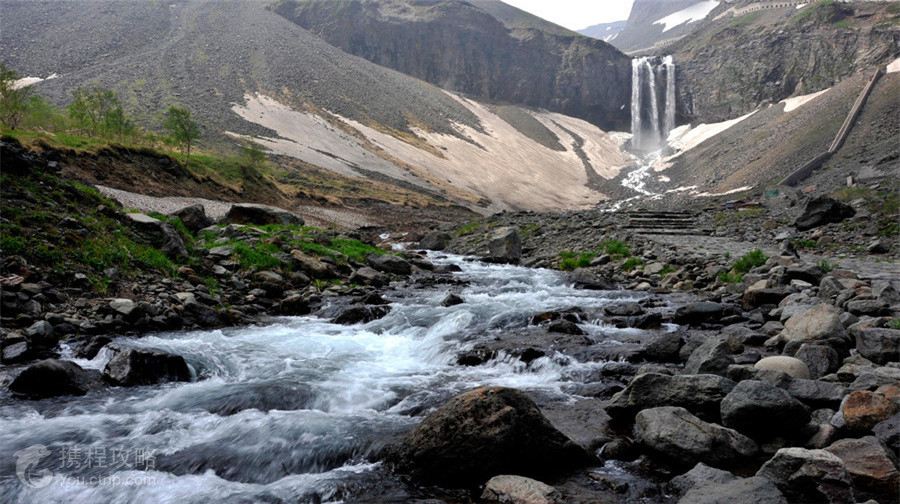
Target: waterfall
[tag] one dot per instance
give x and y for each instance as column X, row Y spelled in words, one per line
column 649, row 129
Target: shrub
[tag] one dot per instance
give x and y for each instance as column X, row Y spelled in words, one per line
column 569, row 260
column 750, row 260
column 631, row 263
column 615, row 248
column 825, row 266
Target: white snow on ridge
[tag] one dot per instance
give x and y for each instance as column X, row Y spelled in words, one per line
column 798, row 101
column 684, row 138
column 693, row 13
column 30, row 81
column 894, row 66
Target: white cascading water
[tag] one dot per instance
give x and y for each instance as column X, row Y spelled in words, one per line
column 649, row 129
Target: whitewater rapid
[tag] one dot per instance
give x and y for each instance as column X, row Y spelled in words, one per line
column 292, row 410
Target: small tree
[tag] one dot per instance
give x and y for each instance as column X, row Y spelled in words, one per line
column 98, row 112
column 181, row 127
column 13, row 100
column 252, row 154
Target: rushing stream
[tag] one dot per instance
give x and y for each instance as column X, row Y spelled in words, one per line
column 284, row 411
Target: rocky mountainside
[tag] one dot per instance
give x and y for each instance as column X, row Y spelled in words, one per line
column 485, row 49
column 732, row 65
column 606, row 32
column 644, row 31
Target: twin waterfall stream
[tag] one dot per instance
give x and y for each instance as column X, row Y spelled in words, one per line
column 652, row 81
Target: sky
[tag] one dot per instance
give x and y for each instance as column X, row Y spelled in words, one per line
column 576, row 14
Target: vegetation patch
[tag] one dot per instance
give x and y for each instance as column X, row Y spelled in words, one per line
column 631, row 263
column 615, row 248
column 569, row 260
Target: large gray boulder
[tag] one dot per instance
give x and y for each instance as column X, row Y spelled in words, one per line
column 809, row 476
column 870, row 467
column 879, row 345
column 508, row 489
column 699, row 394
column 823, row 210
column 158, row 234
column 435, row 240
column 142, row 366
column 820, row 360
column 700, row 475
column 712, row 357
column 820, row 323
column 680, row 438
column 761, row 411
column 483, row 433
column 755, row 490
column 249, row 213
column 791, row 366
column 52, row 378
column 193, row 217
column 504, row 245
column 388, row 263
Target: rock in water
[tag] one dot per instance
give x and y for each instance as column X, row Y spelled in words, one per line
column 435, row 240
column 508, row 489
column 680, row 438
column 139, row 366
column 52, row 377
column 483, row 433
column 823, row 210
column 248, row 213
column 505, row 246
column 753, row 490
column 389, row 264
column 761, row 410
column 809, row 476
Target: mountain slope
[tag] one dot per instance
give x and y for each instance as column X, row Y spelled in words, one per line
column 654, row 23
column 484, row 49
column 606, row 32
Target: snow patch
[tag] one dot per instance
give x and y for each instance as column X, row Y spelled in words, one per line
column 894, row 66
column 30, row 81
column 685, row 138
column 693, row 13
column 798, row 101
column 725, row 193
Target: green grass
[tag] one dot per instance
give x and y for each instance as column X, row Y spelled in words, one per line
column 569, row 260
column 257, row 255
column 805, row 244
column 467, row 228
column 825, row 266
column 894, row 324
column 667, row 269
column 12, row 245
column 615, row 248
column 750, row 260
column 631, row 263
column 731, row 277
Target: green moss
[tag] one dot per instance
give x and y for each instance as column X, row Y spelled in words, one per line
column 467, row 228
column 569, row 260
column 731, row 277
column 11, row 245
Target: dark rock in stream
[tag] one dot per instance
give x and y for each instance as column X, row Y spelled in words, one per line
column 361, row 314
column 483, row 433
column 139, row 366
column 52, row 378
column 699, row 394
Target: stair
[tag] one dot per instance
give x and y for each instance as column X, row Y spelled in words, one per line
column 663, row 222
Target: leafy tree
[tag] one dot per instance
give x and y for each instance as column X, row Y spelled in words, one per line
column 13, row 100
column 253, row 154
column 98, row 112
column 182, row 128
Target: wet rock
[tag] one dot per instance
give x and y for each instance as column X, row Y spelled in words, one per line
column 194, row 217
column 361, row 314
column 862, row 410
column 508, row 489
column 744, row 334
column 159, row 234
column 754, row 490
column 368, row 276
column 712, row 357
column 140, row 366
column 248, row 213
column 870, row 467
column 761, row 410
column 583, row 278
column 879, row 345
column 41, row 335
column 699, row 394
column 475, row 357
column 664, row 347
column 452, row 299
column 624, row 309
column 374, row 299
column 698, row 313
column 700, row 475
column 389, row 264
column 754, row 297
column 52, row 378
column 293, row 305
column 91, row 346
column 435, row 240
column 823, row 210
column 565, row 327
column 504, row 246
column 879, row 247
column 809, row 476
column 819, row 359
column 15, row 352
column 679, row 437
column 793, row 367
column 483, row 433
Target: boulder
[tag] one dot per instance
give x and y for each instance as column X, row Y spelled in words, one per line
column 368, row 276
column 816, row 393
column 793, row 367
column 711, row 357
column 452, row 299
column 698, row 313
column 823, row 210
column 144, row 366
column 879, row 345
column 870, row 467
column 754, row 297
column 293, row 305
column 820, row 360
column 52, row 378
column 361, row 314
column 888, row 432
column 584, row 278
column 388, row 263
column 871, row 307
column 312, row 266
column 663, row 347
column 700, row 475
column 158, row 234
column 504, row 246
column 821, row 323
column 435, row 240
column 755, row 490
column 809, row 476
column 41, row 335
column 193, row 217
column 699, row 394
column 249, row 213
column 763, row 411
column 565, row 327
column 678, row 437
column 863, row 409
column 483, row 433
column 507, row 489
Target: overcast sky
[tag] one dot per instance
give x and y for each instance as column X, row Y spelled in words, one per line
column 576, row 14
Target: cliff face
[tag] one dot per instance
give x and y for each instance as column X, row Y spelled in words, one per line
column 470, row 48
column 736, row 64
